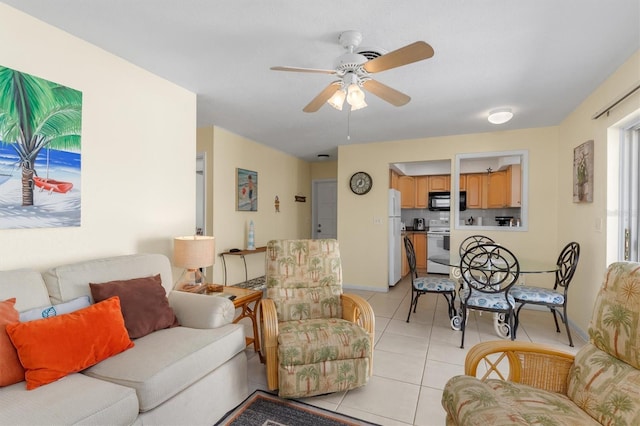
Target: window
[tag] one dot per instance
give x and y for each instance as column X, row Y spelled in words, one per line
column 629, row 244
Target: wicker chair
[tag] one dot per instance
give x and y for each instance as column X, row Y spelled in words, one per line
column 315, row 339
column 509, row 382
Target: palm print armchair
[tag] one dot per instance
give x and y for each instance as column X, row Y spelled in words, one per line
column 315, row 339
column 527, row 383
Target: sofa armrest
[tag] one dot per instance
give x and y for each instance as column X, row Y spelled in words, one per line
column 541, row 366
column 201, row 311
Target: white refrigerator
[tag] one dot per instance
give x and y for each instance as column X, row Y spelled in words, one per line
column 395, row 238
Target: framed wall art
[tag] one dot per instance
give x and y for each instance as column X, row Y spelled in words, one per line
column 40, row 155
column 583, row 173
column 246, row 190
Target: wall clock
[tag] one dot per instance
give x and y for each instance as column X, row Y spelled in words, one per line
column 360, row 183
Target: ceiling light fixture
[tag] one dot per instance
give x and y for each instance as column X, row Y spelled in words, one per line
column 500, row 115
column 353, row 94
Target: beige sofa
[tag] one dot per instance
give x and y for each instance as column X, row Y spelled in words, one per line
column 191, row 374
column 526, row 383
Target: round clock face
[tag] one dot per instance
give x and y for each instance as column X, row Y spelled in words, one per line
column 361, row 183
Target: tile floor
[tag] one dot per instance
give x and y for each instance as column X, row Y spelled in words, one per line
column 413, row 361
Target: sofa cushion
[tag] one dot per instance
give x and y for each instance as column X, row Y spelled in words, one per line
column 605, row 387
column 615, row 323
column 73, row 400
column 469, row 401
column 26, row 286
column 53, row 310
column 11, row 370
column 165, row 362
column 54, row 347
column 143, row 301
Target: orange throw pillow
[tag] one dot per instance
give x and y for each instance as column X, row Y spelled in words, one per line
column 11, row 370
column 51, row 348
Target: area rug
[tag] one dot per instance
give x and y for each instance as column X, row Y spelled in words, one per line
column 265, row 409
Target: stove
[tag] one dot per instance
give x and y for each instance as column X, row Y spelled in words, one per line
column 438, row 245
column 439, row 226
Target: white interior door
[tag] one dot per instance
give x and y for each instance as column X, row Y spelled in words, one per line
column 325, row 209
column 201, row 193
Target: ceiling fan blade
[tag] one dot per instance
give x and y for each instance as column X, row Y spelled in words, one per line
column 386, row 93
column 409, row 54
column 322, row 97
column 295, row 69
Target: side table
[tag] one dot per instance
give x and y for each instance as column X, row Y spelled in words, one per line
column 247, row 300
column 242, row 254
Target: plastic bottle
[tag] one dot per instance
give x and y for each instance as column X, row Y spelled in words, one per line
column 250, row 240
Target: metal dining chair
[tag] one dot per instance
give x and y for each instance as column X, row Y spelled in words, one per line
column 489, row 271
column 473, row 240
column 424, row 285
column 555, row 298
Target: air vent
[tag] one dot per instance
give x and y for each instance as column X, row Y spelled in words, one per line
column 370, row 52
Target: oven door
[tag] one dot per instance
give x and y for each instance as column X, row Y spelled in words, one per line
column 437, row 246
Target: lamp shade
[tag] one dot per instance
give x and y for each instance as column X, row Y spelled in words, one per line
column 194, row 251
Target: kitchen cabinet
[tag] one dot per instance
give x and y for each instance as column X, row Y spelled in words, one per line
column 514, row 176
column 422, row 191
column 463, row 182
column 393, row 179
column 439, row 183
column 407, row 188
column 420, row 247
column 474, row 186
column 403, row 256
column 497, row 186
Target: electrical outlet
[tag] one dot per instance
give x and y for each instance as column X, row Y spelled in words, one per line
column 377, row 221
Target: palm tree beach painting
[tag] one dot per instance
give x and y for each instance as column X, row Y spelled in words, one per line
column 40, row 160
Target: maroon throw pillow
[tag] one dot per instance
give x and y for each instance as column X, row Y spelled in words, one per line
column 143, row 301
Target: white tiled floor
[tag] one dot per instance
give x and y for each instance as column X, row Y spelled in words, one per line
column 413, row 361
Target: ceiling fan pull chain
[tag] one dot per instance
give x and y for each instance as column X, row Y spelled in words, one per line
column 349, row 125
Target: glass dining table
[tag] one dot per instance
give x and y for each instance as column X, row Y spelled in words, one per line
column 527, row 266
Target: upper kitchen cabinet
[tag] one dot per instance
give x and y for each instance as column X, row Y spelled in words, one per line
column 422, row 191
column 439, row 183
column 493, row 180
column 393, row 179
column 407, row 188
column 473, row 183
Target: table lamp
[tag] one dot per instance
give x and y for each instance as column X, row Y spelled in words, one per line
column 193, row 253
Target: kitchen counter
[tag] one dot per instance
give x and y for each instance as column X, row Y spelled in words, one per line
column 410, row 230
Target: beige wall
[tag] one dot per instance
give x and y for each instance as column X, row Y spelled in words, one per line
column 138, row 150
column 324, row 170
column 364, row 244
column 278, row 174
column 577, row 222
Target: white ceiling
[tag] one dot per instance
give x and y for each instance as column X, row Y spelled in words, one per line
column 542, row 58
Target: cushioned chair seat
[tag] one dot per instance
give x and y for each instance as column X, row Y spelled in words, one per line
column 319, row 340
column 434, row 284
column 165, row 362
column 498, row 402
column 487, row 300
column 537, row 295
column 73, row 400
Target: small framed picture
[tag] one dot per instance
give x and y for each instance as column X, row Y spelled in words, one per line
column 583, row 173
column 246, row 190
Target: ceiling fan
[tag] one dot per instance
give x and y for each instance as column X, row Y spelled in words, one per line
column 354, row 71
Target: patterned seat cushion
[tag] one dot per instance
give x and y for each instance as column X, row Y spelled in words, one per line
column 434, row 284
column 525, row 293
column 469, row 401
column 487, row 300
column 319, row 340
column 321, row 356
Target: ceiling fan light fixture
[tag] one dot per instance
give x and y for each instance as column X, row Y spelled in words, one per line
column 500, row 115
column 337, row 99
column 355, row 97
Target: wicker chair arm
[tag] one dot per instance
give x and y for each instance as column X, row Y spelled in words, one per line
column 358, row 310
column 268, row 323
column 540, row 366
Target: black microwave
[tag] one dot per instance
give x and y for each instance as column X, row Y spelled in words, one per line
column 441, row 201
